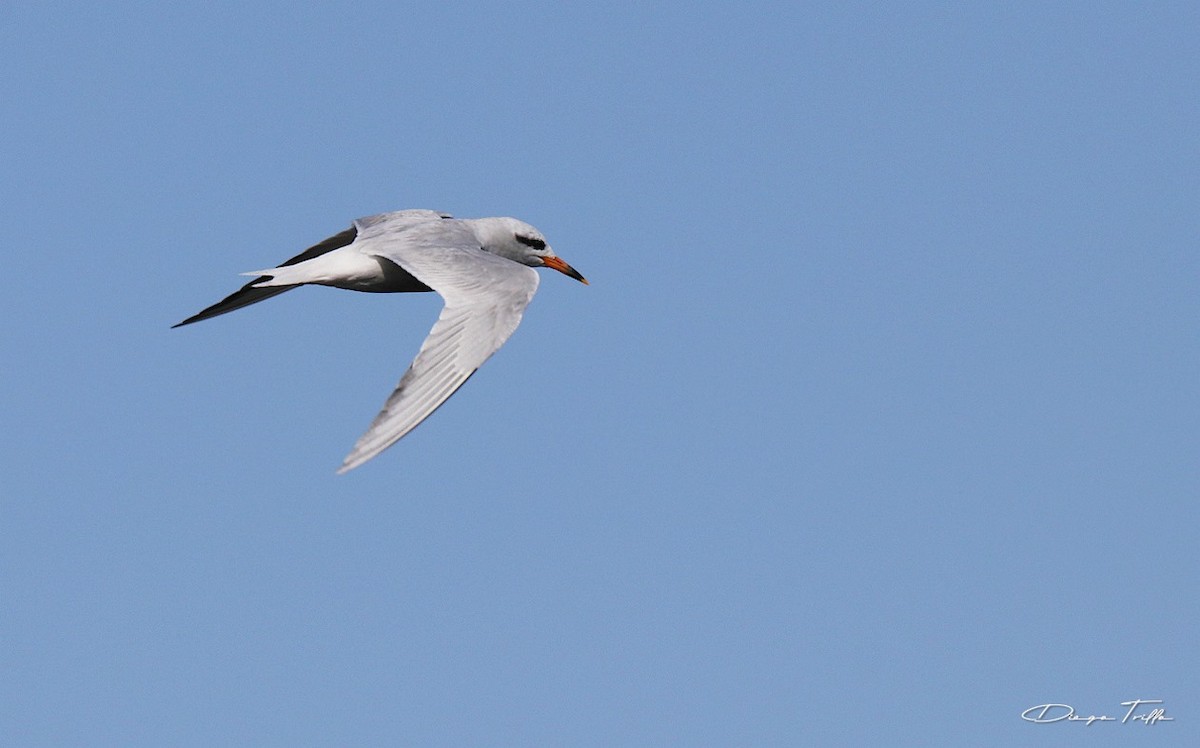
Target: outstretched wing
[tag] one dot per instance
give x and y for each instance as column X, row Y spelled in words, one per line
column 485, row 297
column 251, row 293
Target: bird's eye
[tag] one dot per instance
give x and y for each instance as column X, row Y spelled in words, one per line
column 529, row 241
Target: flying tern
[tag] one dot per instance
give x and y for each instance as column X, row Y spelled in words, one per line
column 483, row 268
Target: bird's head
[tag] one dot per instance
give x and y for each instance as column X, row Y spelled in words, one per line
column 520, row 242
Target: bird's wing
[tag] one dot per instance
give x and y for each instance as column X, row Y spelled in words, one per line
column 252, row 293
column 485, row 297
column 397, row 219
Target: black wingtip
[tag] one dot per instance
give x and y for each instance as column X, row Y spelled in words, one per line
column 190, row 320
column 251, row 294
column 244, row 296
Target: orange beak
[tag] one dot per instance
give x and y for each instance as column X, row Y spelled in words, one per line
column 564, row 268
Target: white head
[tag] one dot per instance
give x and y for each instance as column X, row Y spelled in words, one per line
column 518, row 241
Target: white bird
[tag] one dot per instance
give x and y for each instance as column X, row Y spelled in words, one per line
column 481, row 267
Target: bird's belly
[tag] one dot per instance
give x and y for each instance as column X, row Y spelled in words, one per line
column 379, row 275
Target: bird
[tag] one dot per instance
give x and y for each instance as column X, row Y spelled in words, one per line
column 483, row 268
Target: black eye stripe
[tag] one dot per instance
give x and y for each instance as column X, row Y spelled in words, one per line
column 529, row 241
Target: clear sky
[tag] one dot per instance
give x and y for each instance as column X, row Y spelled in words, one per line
column 878, row 425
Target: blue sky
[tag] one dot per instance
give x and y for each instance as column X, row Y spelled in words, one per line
column 877, row 425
